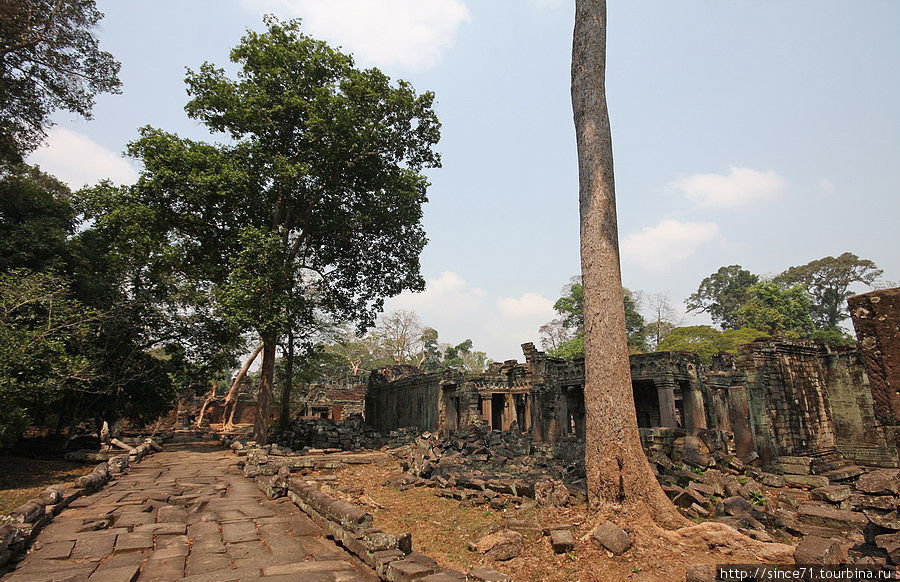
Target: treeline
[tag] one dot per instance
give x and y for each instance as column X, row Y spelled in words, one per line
column 806, row 301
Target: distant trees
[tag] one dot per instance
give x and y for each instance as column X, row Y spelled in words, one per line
column 777, row 310
column 707, row 341
column 563, row 337
column 721, row 294
column 50, row 59
column 827, row 280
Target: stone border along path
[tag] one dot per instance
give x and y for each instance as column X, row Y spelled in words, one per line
column 185, row 514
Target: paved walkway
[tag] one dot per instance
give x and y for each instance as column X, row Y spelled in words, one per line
column 188, row 514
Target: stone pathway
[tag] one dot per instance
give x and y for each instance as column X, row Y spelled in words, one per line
column 187, row 514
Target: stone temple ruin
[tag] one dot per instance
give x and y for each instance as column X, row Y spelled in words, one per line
column 788, row 440
column 776, row 398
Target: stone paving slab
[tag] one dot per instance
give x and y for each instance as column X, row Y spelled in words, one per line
column 185, row 514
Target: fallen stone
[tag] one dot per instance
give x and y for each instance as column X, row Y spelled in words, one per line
column 884, row 502
column 500, row 546
column 832, row 493
column 830, row 517
column 806, row 481
column 890, row 520
column 880, row 482
column 562, row 541
column 816, row 550
column 487, row 575
column 890, row 543
column 700, row 573
column 611, row 537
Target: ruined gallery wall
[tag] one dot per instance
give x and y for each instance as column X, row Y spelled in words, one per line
column 409, row 401
column 775, row 398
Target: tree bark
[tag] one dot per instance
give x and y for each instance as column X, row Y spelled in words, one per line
column 288, row 386
column 617, row 469
column 231, row 397
column 212, row 395
column 267, row 374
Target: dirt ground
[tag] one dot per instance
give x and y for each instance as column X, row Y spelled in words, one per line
column 443, row 529
column 22, row 478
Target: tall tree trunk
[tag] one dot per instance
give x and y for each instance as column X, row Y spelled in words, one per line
column 288, row 386
column 617, row 469
column 212, row 395
column 231, row 397
column 266, row 375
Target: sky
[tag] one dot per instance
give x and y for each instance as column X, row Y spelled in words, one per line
column 763, row 133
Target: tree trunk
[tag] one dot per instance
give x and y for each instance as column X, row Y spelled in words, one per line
column 266, row 375
column 288, row 386
column 617, row 469
column 231, row 397
column 212, row 395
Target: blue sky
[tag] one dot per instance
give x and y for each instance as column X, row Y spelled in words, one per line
column 759, row 133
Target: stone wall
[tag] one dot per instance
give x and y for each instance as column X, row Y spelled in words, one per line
column 876, row 318
column 776, row 398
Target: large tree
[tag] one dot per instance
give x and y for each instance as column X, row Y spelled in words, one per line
column 722, row 293
column 828, row 281
column 617, row 469
column 314, row 206
column 50, row 59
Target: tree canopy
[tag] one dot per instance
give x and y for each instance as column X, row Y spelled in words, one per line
column 828, row 281
column 50, row 59
column 315, row 205
column 777, row 310
column 722, row 293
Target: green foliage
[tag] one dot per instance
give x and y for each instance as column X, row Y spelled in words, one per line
column 564, row 337
column 571, row 306
column 722, row 294
column 573, row 348
column 757, row 498
column 635, row 326
column 707, row 341
column 42, row 336
column 36, row 220
column 782, row 311
column 828, row 281
column 834, row 337
column 49, row 60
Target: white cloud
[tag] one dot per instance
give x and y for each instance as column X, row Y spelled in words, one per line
column 740, row 186
column 529, row 305
column 410, row 34
column 657, row 247
column 827, row 186
column 459, row 311
column 78, row 160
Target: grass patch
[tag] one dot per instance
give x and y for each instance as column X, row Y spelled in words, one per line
column 22, row 478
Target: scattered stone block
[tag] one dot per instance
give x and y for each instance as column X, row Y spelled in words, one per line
column 831, row 493
column 816, row 550
column 612, row 537
column 562, row 541
column 832, row 518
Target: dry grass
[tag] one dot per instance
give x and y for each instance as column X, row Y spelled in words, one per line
column 22, row 478
column 442, row 529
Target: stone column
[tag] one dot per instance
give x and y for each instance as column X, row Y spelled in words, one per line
column 666, row 392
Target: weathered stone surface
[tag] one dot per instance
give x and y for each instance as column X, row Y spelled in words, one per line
column 815, row 550
column 500, row 546
column 880, row 482
column 890, row 543
column 889, row 520
column 700, row 573
column 612, row 537
column 487, row 575
column 832, row 493
column 830, row 517
column 805, row 481
column 562, row 541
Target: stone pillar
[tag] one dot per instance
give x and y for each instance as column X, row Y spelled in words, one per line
column 693, row 409
column 527, row 426
column 486, row 411
column 666, row 392
column 876, row 318
column 509, row 411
